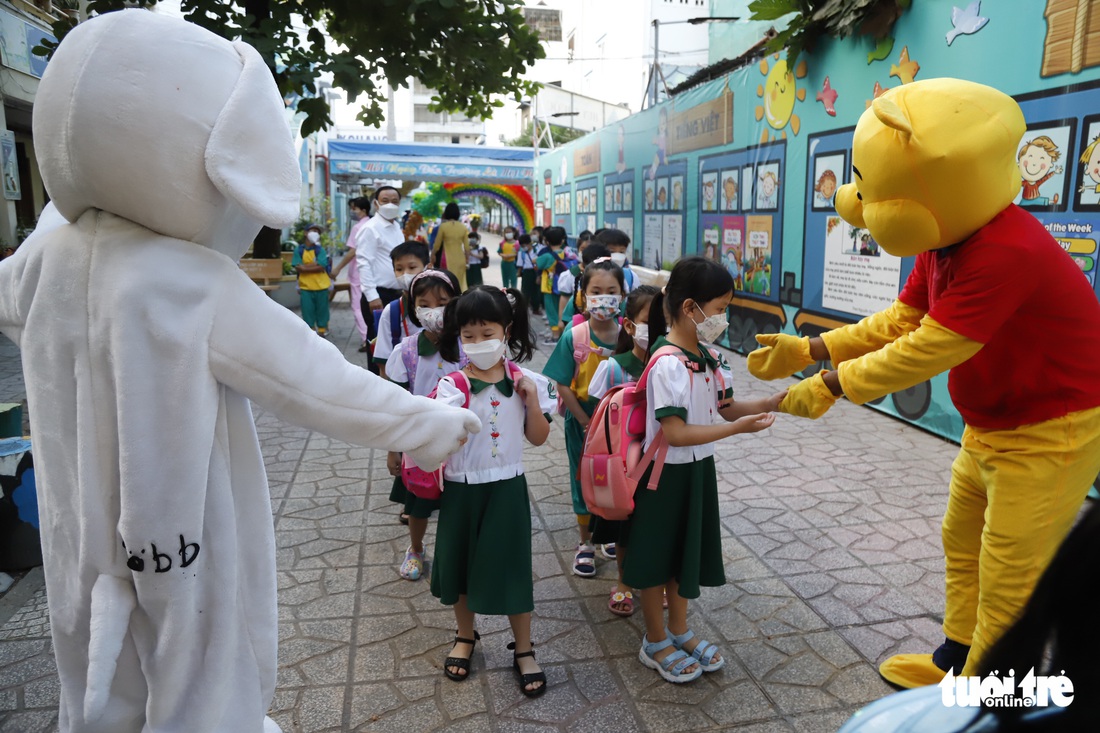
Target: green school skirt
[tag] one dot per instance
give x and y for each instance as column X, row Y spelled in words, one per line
column 674, row 531
column 483, row 547
column 413, row 505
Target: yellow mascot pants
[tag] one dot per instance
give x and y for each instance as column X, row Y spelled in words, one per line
column 1014, row 496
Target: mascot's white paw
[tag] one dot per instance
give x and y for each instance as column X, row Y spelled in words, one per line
column 450, row 430
column 270, row 726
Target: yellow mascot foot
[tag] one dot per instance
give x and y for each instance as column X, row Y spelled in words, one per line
column 911, row 670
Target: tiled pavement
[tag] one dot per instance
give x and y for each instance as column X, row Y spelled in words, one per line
column 833, row 562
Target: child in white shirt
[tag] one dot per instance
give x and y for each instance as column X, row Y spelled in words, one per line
column 417, row 365
column 674, row 534
column 483, row 545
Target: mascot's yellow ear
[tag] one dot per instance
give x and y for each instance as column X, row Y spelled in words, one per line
column 892, row 115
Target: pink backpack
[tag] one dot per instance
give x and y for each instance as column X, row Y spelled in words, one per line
column 612, row 460
column 429, row 485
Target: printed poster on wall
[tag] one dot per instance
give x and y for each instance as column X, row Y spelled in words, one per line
column 9, row 165
column 860, row 277
column 724, row 242
column 625, row 224
column 651, row 255
column 672, row 240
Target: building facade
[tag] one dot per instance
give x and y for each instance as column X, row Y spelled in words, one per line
column 23, row 25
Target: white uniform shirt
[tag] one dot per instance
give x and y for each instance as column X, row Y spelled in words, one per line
column 373, row 245
column 383, row 345
column 496, row 453
column 429, row 368
column 566, row 282
column 674, row 389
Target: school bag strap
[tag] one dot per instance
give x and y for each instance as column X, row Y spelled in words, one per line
column 658, row 449
column 582, row 343
column 410, row 358
column 616, row 375
column 397, row 317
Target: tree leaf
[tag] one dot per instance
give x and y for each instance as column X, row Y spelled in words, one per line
column 773, row 9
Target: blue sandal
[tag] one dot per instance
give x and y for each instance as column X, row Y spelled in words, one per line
column 672, row 667
column 703, row 653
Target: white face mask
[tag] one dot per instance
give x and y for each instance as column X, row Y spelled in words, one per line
column 405, row 280
column 509, row 236
column 603, row 307
column 641, row 335
column 313, row 237
column 485, row 354
column 619, row 258
column 712, row 326
column 431, row 318
column 389, row 211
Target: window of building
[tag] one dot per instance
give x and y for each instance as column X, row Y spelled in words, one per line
column 455, row 140
column 423, row 115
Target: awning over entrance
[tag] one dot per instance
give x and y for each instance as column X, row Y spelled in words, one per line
column 425, row 162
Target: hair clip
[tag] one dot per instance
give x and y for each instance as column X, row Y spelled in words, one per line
column 511, row 298
column 598, row 260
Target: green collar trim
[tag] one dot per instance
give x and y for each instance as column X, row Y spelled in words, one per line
column 424, row 345
column 504, row 386
column 700, row 361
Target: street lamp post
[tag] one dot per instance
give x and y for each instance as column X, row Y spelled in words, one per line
column 655, row 72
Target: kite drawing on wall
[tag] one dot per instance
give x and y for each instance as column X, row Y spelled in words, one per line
column 904, row 69
column 827, row 96
column 877, row 92
column 882, row 50
column 966, row 22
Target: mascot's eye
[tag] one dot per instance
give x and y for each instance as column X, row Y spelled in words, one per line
column 859, row 195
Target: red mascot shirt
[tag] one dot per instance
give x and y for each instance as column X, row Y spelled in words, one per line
column 1013, row 289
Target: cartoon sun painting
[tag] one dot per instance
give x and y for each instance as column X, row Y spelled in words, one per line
column 779, row 92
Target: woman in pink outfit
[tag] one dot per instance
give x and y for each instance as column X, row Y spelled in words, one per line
column 360, row 212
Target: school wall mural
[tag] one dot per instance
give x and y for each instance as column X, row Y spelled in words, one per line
column 744, row 169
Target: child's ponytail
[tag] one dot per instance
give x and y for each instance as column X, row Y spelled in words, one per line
column 520, row 342
column 658, row 322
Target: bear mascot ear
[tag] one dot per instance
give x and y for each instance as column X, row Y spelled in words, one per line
column 248, row 157
column 892, row 115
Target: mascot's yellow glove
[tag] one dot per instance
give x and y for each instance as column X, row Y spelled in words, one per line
column 871, row 333
column 782, row 356
column 809, row 398
column 918, row 355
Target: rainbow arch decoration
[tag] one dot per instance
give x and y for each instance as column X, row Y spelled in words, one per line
column 515, row 198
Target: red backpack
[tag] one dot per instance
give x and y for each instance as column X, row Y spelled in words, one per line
column 612, row 460
column 429, row 485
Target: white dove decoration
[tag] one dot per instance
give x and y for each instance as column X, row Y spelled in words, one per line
column 967, row 21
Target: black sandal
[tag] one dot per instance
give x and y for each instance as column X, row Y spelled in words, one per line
column 527, row 679
column 460, row 662
column 404, row 518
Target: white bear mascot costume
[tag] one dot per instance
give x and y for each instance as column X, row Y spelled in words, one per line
column 164, row 148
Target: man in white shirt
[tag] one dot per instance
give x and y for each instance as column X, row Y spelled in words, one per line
column 373, row 244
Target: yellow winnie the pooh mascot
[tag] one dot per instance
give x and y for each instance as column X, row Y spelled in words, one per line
column 993, row 298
